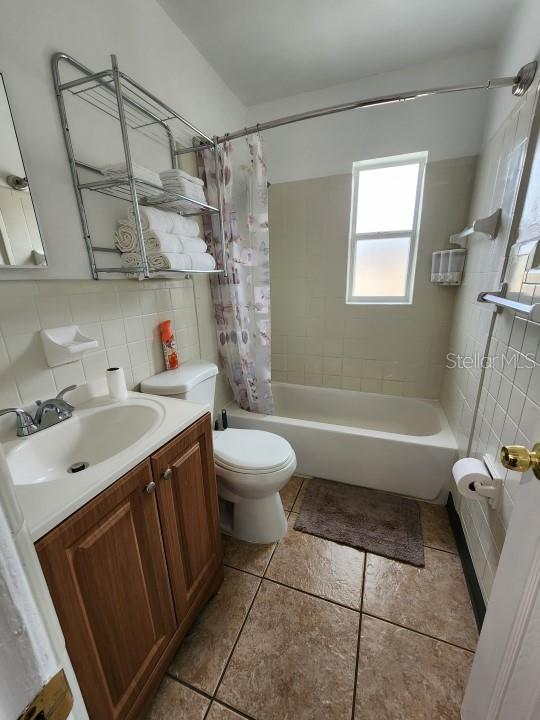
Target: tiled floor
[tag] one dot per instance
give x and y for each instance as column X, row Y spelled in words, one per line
column 306, row 629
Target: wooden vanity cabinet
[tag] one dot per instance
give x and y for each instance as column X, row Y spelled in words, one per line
column 129, row 572
column 188, row 508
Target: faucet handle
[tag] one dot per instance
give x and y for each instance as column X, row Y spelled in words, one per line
column 69, row 388
column 25, row 422
column 61, row 394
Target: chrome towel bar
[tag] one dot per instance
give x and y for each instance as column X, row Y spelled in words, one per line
column 531, row 312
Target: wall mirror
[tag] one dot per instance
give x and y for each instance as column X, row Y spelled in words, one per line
column 21, row 245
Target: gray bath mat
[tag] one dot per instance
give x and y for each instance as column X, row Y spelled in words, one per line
column 365, row 519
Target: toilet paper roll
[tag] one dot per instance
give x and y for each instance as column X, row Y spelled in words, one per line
column 466, row 472
column 116, row 382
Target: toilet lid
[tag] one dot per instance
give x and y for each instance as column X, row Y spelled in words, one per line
column 252, row 451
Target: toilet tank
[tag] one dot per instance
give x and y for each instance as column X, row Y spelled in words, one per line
column 194, row 381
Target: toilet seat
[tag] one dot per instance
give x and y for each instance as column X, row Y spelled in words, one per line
column 235, row 486
column 251, row 452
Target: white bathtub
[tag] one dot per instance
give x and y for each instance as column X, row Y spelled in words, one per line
column 401, row 445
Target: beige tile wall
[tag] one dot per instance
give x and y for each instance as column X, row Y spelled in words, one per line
column 122, row 315
column 318, row 339
column 508, row 399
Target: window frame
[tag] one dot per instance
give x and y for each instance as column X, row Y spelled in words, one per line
column 417, row 158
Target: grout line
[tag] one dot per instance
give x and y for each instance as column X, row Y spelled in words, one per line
column 229, row 707
column 355, row 684
column 248, row 572
column 243, row 623
column 190, row 686
column 218, row 685
column 418, row 632
column 432, row 547
column 296, row 496
column 310, row 594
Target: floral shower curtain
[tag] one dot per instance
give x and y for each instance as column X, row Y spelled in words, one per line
column 242, row 299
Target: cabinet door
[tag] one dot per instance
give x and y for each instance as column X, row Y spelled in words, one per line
column 188, row 507
column 106, row 571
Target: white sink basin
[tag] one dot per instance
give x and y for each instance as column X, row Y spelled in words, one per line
column 112, row 437
column 90, row 437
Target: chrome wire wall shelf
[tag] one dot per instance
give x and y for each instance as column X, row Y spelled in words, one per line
column 123, row 99
column 149, row 194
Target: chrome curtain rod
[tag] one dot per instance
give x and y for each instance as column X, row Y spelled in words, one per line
column 520, row 83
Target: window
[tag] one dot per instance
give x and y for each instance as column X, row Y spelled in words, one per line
column 385, row 216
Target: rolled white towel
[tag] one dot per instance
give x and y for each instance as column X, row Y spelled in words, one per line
column 169, row 261
column 154, row 219
column 175, row 173
column 156, row 241
column 125, row 239
column 202, row 261
column 131, row 260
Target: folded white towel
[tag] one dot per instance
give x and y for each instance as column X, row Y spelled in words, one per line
column 139, row 171
column 175, row 173
column 154, row 219
column 185, row 187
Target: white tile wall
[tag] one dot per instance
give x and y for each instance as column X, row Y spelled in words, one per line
column 122, row 315
column 508, row 398
column 319, row 340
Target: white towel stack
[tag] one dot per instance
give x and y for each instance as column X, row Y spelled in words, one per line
column 181, row 182
column 139, row 171
column 172, row 242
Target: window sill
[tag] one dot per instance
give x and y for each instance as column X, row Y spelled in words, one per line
column 378, row 302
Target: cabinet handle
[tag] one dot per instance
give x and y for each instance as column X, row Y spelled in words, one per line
column 150, row 488
column 167, row 474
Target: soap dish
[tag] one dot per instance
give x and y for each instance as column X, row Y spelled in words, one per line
column 65, row 344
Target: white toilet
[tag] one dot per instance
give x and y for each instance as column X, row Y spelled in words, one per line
column 251, row 465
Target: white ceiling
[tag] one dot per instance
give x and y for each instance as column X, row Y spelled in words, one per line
column 268, row 49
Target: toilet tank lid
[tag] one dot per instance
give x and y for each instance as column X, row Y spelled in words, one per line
column 175, row 382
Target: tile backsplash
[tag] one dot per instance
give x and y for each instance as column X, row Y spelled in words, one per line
column 123, row 316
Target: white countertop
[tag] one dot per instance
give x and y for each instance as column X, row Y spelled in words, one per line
column 45, row 504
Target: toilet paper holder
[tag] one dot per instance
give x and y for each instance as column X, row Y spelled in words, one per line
column 491, row 490
column 476, row 478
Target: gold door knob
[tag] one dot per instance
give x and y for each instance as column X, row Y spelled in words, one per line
column 520, row 459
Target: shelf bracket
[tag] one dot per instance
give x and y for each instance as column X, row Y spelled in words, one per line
column 487, row 226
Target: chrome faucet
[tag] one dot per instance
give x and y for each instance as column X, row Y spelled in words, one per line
column 49, row 412
column 25, row 422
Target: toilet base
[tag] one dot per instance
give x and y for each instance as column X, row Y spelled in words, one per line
column 260, row 520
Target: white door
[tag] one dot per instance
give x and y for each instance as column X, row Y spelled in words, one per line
column 505, row 679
